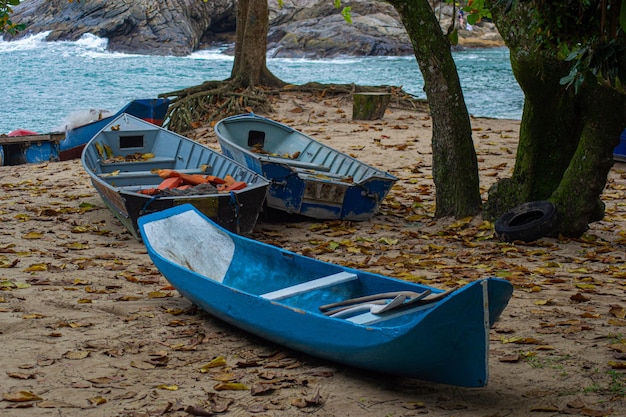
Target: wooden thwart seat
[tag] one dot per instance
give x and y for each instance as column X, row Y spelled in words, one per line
column 315, row 284
column 295, row 163
column 140, row 174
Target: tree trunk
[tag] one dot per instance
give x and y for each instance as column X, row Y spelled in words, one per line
column 548, row 136
column 250, row 64
column 455, row 166
column 578, row 195
column 566, row 139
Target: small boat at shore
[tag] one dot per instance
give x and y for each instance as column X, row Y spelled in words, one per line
column 27, row 147
column 24, row 146
column 619, row 152
column 151, row 110
column 138, row 168
column 345, row 315
column 307, row 177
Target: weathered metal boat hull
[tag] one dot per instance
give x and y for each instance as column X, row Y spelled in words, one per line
column 307, row 177
column 120, row 183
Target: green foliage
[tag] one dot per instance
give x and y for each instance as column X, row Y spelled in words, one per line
column 587, row 33
column 6, row 25
column 345, row 12
column 593, row 62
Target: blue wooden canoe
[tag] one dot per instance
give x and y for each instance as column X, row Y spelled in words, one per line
column 151, row 110
column 308, row 177
column 345, row 315
column 124, row 159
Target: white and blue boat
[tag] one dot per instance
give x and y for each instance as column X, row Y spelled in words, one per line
column 357, row 318
column 307, row 177
column 125, row 162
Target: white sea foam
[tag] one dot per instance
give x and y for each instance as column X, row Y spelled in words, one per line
column 26, row 43
column 81, row 117
column 210, row 54
column 92, row 42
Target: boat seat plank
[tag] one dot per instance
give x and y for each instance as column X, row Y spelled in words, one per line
column 156, row 159
column 319, row 283
column 139, row 174
column 330, row 176
column 295, row 163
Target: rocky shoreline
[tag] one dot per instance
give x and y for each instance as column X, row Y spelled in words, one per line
column 298, row 29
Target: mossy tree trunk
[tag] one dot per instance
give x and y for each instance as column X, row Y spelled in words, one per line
column 455, row 166
column 577, row 196
column 566, row 141
column 548, row 136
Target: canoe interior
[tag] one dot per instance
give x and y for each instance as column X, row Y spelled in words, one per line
column 257, row 268
column 120, row 180
column 308, row 177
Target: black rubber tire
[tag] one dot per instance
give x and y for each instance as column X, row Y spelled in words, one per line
column 527, row 222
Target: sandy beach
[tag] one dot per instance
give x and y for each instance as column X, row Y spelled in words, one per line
column 89, row 327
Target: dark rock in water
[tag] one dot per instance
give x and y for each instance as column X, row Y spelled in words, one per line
column 301, row 28
column 171, row 27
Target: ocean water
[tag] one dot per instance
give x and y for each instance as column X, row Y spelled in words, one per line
column 47, row 84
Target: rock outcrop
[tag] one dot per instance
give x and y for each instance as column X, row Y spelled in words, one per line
column 301, row 28
column 167, row 27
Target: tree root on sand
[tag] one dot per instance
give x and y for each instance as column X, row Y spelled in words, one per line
column 211, row 101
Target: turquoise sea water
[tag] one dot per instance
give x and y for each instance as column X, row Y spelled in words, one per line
column 44, row 83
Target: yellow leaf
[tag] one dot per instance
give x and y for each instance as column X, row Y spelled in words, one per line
column 21, row 396
column 36, row 268
column 388, row 241
column 33, row 316
column 585, row 286
column 158, row 294
column 97, row 400
column 215, row 363
column 76, row 354
column 168, row 387
column 617, row 365
column 33, row 235
column 460, row 223
column 520, row 340
column 230, row 386
column 76, row 246
column 224, row 376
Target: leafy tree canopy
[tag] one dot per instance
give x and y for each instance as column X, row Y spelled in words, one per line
column 589, row 33
column 6, row 25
